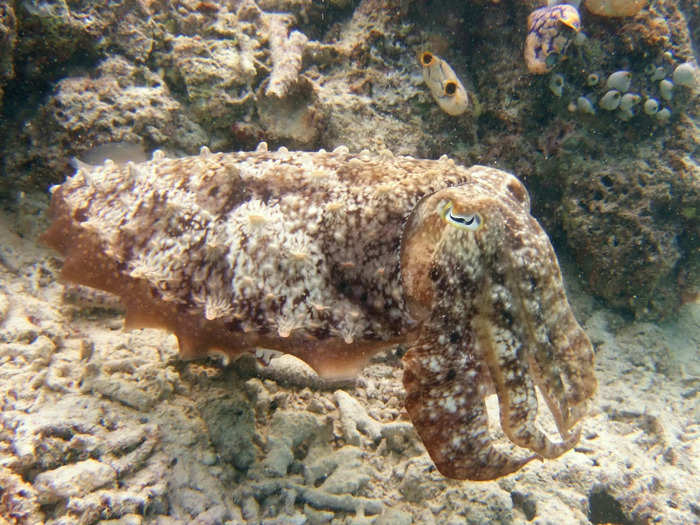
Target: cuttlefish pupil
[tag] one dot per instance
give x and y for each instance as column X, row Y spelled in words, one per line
column 469, row 221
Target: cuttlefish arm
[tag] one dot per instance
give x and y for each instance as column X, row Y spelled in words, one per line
column 482, row 277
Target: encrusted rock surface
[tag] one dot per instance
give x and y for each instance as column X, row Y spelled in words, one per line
column 120, row 102
column 624, row 220
column 8, row 35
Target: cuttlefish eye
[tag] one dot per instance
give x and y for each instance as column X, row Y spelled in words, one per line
column 450, row 87
column 426, row 58
column 468, row 221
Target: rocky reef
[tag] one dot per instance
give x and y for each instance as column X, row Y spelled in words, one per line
column 8, row 34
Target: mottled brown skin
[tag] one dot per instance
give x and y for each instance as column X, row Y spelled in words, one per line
column 331, row 257
column 492, row 302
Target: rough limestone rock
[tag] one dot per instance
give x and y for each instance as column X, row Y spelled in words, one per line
column 623, row 224
column 8, row 36
column 73, row 480
column 121, row 103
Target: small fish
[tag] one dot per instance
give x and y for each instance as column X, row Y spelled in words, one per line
column 119, row 152
column 444, row 84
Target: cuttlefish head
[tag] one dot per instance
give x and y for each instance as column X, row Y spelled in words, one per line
column 481, row 276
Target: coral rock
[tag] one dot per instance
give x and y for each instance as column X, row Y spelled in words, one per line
column 616, row 8
column 122, row 102
column 8, row 36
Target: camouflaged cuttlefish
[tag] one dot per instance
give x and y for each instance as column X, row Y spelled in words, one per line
column 332, row 256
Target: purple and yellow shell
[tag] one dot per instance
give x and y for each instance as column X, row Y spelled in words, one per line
column 549, row 32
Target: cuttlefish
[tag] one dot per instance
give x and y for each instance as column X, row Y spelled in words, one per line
column 331, row 257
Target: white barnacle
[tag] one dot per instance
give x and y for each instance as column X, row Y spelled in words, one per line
column 628, row 101
column 685, row 75
column 651, row 106
column 585, row 105
column 556, row 84
column 658, row 74
column 611, row 100
column 625, row 114
column 663, row 116
column 620, row 81
column 666, row 89
column 592, row 79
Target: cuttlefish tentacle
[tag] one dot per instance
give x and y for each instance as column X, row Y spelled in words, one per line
column 560, row 357
column 565, row 386
column 445, row 400
column 517, row 399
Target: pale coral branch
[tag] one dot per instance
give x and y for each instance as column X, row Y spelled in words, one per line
column 286, row 50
